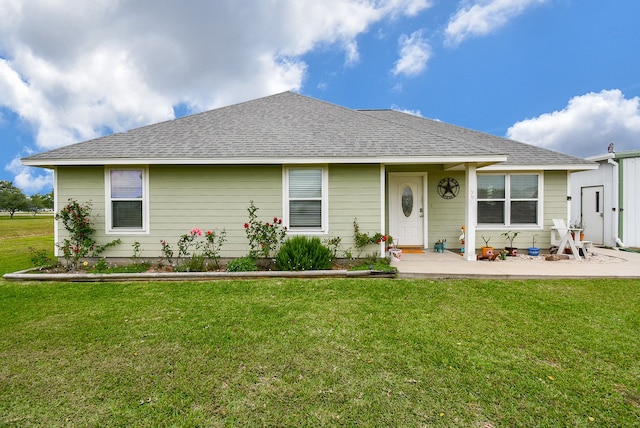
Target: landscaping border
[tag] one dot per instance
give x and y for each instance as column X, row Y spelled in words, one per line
column 29, row 275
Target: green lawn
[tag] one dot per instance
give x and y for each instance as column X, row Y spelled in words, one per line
column 320, row 352
column 19, row 235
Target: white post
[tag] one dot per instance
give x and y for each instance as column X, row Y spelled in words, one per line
column 471, row 213
column 383, row 204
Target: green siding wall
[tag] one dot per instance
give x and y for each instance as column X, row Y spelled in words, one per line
column 446, row 216
column 354, row 193
column 554, row 206
column 217, row 197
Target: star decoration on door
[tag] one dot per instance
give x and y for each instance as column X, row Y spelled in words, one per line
column 448, row 188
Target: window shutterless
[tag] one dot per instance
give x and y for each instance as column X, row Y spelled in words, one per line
column 510, row 199
column 305, row 201
column 126, row 191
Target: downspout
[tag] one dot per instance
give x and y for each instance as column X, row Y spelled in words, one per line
column 616, row 200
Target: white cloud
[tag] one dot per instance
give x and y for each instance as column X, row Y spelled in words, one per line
column 30, row 180
column 586, row 125
column 73, row 70
column 483, row 17
column 414, row 54
column 408, row 111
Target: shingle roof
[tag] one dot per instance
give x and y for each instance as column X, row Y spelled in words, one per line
column 518, row 153
column 290, row 126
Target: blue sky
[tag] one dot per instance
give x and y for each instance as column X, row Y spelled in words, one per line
column 561, row 74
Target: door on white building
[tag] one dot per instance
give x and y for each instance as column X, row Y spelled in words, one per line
column 406, row 210
column 592, row 210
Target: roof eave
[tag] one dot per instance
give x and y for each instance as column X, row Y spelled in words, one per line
column 537, row 167
column 390, row 160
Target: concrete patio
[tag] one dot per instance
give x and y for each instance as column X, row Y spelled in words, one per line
column 603, row 263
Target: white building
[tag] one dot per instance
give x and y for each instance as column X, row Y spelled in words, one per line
column 606, row 201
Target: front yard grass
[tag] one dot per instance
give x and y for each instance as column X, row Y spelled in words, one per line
column 314, row 352
column 321, row 352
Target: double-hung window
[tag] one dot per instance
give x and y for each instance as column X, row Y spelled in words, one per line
column 509, row 199
column 126, row 201
column 305, row 203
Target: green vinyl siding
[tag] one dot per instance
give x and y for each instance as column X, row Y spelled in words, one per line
column 212, row 198
column 555, row 204
column 445, row 216
column 85, row 185
column 554, row 200
column 354, row 192
column 217, row 197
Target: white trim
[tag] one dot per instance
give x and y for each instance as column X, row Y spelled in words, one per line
column 539, row 225
column 108, row 230
column 569, row 213
column 507, row 168
column 471, row 213
column 425, row 211
column 56, row 227
column 324, row 221
column 383, row 204
column 267, row 160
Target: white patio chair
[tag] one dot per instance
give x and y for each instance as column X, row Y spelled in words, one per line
column 565, row 238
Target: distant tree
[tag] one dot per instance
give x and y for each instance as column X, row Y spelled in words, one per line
column 39, row 202
column 11, row 198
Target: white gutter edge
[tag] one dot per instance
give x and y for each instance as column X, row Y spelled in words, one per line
column 616, row 201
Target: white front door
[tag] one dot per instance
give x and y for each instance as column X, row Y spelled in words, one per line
column 406, row 210
column 592, row 211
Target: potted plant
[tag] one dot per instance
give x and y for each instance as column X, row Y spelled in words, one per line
column 486, row 249
column 577, row 225
column 533, row 250
column 511, row 250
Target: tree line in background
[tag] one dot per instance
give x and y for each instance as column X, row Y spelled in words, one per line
column 13, row 200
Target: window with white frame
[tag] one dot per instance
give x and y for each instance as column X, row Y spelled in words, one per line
column 509, row 199
column 305, row 199
column 126, row 200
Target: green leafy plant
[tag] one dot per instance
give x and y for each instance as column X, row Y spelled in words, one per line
column 510, row 237
column 136, row 252
column 101, row 265
column 362, row 240
column 264, row 238
column 334, row 244
column 76, row 219
column 242, row 264
column 196, row 255
column 213, row 246
column 187, row 241
column 40, row 258
column 167, row 251
column 303, row 253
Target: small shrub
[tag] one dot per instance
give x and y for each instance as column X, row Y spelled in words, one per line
column 303, row 253
column 264, row 238
column 242, row 264
column 101, row 265
column 195, row 263
column 40, row 258
column 195, row 255
column 335, row 245
column 136, row 252
column 76, row 219
column 363, row 240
